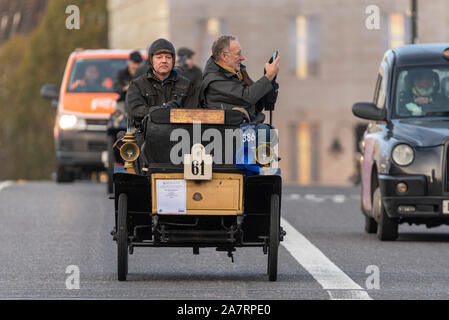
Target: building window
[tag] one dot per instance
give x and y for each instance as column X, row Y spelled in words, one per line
column 209, row 30
column 3, row 24
column 306, row 159
column 304, row 46
column 15, row 22
column 396, row 30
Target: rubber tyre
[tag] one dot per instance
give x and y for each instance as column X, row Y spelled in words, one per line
column 273, row 242
column 122, row 237
column 387, row 228
column 62, row 175
column 110, row 169
column 370, row 225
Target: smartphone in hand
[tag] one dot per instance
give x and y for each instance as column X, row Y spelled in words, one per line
column 272, row 58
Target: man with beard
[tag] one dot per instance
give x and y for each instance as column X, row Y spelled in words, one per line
column 226, row 84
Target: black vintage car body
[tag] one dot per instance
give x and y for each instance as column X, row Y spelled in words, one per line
column 404, row 163
column 234, row 208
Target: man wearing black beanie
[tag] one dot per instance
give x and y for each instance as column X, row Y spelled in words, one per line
column 160, row 86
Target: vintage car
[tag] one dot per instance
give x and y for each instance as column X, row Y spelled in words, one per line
column 404, row 163
column 202, row 178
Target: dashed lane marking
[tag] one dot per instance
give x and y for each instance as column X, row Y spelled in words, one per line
column 336, row 198
column 5, row 184
column 338, row 285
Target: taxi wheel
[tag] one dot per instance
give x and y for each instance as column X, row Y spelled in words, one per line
column 273, row 244
column 370, row 225
column 370, row 222
column 122, row 237
column 110, row 170
column 387, row 228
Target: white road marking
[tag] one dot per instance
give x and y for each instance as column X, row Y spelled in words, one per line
column 294, row 196
column 338, row 285
column 312, row 197
column 5, row 184
column 336, row 198
column 339, row 198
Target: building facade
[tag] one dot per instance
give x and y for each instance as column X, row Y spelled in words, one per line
column 330, row 53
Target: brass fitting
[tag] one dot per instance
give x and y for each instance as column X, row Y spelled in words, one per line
column 129, row 151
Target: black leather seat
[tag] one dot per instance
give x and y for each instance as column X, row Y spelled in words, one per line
column 158, row 129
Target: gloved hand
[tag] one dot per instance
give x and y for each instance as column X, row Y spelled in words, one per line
column 414, row 109
column 172, row 104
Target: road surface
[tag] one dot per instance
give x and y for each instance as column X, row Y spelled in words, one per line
column 46, row 229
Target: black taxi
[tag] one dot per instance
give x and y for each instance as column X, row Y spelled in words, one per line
column 404, row 162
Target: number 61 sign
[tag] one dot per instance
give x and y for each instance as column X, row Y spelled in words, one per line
column 198, row 165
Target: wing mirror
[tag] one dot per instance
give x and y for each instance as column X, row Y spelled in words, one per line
column 49, row 91
column 368, row 111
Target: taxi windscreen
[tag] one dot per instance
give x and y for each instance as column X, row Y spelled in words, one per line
column 422, row 92
column 94, row 75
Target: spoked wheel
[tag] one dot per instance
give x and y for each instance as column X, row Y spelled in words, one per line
column 122, row 237
column 273, row 242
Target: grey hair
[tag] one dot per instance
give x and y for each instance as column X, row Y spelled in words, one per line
column 221, row 45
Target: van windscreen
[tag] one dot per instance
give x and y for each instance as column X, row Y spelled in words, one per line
column 94, row 75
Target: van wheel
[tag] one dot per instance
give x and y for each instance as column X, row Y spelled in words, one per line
column 273, row 243
column 122, row 237
column 62, row 175
column 387, row 228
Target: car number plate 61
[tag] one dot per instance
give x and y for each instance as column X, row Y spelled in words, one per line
column 198, row 165
column 445, row 206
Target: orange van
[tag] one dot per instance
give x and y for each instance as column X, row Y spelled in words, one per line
column 84, row 104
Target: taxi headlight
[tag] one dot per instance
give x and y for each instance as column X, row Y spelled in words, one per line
column 70, row 121
column 403, row 154
column 129, row 151
column 264, row 154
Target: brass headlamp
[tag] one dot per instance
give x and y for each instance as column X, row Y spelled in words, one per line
column 129, row 151
column 264, row 154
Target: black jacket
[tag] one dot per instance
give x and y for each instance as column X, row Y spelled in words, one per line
column 147, row 91
column 122, row 78
column 195, row 75
column 223, row 89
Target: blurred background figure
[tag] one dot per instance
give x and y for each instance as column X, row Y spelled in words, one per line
column 124, row 77
column 143, row 69
column 187, row 68
column 90, row 82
